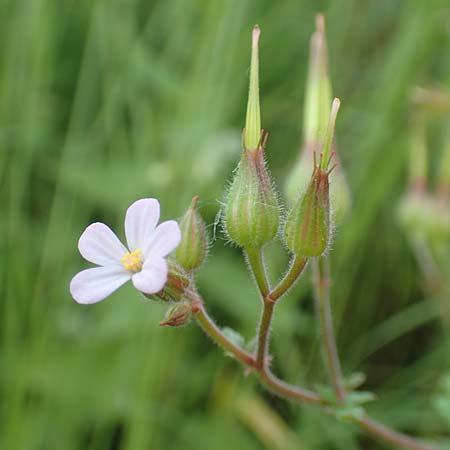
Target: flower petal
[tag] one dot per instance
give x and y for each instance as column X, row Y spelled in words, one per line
column 99, row 245
column 140, row 222
column 153, row 276
column 165, row 239
column 93, row 285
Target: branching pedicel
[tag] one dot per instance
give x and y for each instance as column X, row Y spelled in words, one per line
column 251, row 219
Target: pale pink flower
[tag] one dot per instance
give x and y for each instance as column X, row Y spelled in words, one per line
column 143, row 261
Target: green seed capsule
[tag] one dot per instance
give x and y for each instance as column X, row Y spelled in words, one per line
column 251, row 215
column 307, row 229
column 318, row 96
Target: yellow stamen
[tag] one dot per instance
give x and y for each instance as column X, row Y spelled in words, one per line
column 132, row 261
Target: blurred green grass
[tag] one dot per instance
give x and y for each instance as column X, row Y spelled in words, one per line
column 105, row 102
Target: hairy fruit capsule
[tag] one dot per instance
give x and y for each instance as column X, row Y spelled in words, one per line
column 307, row 230
column 251, row 215
column 316, row 112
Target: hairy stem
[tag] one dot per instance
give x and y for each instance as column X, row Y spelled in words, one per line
column 273, row 383
column 269, row 298
column 256, row 263
column 298, row 263
column 260, row 363
column 328, row 341
column 390, row 436
column 263, row 334
column 294, row 393
column 255, row 260
column 286, row 390
column 210, row 328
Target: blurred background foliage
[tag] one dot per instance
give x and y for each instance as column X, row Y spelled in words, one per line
column 103, row 102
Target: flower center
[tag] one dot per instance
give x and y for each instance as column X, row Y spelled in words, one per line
column 133, row 261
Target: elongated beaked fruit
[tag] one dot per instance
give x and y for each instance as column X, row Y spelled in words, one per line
column 308, row 229
column 316, row 113
column 251, row 213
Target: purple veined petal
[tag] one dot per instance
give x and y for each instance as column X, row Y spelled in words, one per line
column 153, row 276
column 93, row 285
column 99, row 245
column 140, row 222
column 165, row 239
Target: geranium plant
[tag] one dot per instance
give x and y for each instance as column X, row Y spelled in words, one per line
column 252, row 217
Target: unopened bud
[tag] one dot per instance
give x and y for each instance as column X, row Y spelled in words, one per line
column 191, row 253
column 307, row 230
column 252, row 133
column 174, row 290
column 251, row 213
column 178, row 315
